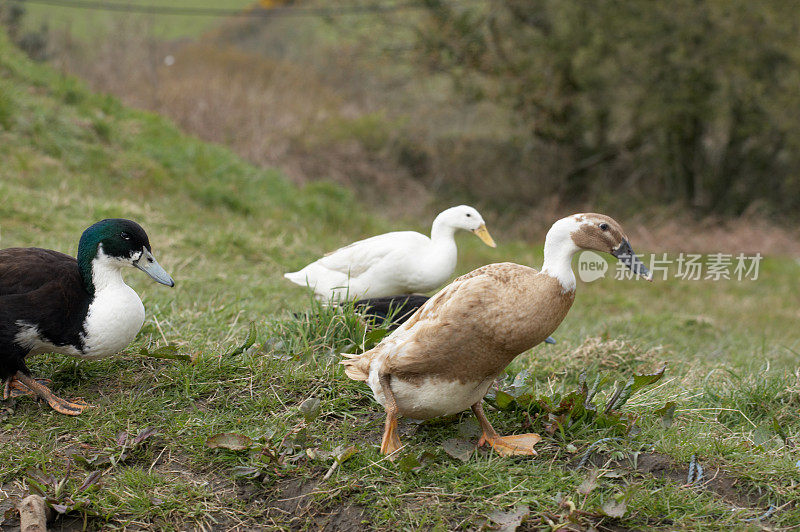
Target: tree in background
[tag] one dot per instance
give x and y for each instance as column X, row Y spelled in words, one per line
column 689, row 101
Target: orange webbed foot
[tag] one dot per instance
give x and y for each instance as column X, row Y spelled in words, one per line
column 69, row 408
column 13, row 388
column 62, row 406
column 391, row 440
column 516, row 445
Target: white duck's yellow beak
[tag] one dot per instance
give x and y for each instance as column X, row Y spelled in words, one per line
column 484, row 235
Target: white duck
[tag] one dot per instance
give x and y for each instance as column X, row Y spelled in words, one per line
column 443, row 359
column 401, row 262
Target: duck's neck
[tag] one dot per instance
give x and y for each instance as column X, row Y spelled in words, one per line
column 106, row 275
column 558, row 251
column 99, row 273
column 442, row 234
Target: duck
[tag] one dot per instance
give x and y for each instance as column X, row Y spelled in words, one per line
column 400, row 262
column 51, row 302
column 444, row 358
column 393, row 311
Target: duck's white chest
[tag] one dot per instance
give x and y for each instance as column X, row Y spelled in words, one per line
column 114, row 318
column 431, row 397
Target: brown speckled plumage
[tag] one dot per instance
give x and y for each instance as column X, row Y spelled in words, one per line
column 473, row 328
column 445, row 357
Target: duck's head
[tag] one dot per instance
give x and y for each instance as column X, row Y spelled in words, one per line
column 466, row 218
column 116, row 243
column 597, row 232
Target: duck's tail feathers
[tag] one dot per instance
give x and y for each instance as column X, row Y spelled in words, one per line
column 356, row 366
column 297, row 277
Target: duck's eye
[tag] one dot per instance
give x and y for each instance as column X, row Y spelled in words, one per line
column 604, row 226
column 125, row 236
column 468, row 215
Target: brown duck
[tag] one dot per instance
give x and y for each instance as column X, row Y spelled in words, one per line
column 444, row 358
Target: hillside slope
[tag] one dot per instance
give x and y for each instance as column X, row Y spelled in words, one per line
column 71, row 157
column 226, row 230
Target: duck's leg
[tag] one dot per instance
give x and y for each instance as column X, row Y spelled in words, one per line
column 58, row 404
column 391, row 441
column 520, row 444
column 7, row 387
column 14, row 388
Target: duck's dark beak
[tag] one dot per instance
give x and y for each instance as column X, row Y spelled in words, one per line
column 149, row 265
column 626, row 256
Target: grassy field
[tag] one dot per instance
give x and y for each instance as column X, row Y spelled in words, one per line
column 91, row 24
column 226, row 231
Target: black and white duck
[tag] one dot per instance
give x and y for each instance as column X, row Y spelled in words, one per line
column 52, row 303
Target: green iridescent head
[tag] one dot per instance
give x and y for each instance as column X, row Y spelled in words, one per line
column 121, row 241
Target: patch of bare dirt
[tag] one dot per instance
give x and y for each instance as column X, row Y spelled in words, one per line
column 732, row 490
column 294, row 506
column 13, row 495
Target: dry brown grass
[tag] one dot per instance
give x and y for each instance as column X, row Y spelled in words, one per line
column 272, row 112
column 612, row 353
column 749, row 234
column 675, row 231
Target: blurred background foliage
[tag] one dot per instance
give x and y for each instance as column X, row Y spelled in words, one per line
column 688, row 101
column 525, row 108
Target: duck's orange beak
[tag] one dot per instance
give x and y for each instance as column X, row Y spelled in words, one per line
column 484, row 235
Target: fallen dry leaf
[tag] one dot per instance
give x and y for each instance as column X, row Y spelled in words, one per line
column 588, row 485
column 613, row 508
column 458, row 448
column 310, row 409
column 469, row 428
column 509, row 521
column 229, row 440
column 346, row 454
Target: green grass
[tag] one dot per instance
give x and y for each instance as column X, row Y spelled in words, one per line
column 226, row 231
column 91, row 24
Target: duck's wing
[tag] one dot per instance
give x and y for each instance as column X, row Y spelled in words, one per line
column 23, row 270
column 462, row 326
column 358, row 257
column 469, row 298
column 42, row 288
column 407, row 305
